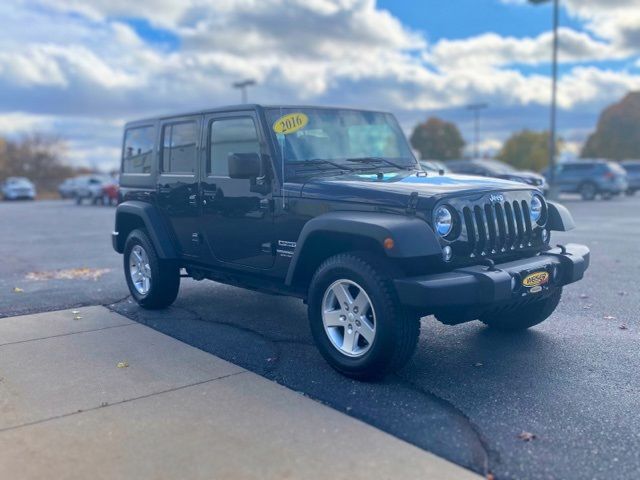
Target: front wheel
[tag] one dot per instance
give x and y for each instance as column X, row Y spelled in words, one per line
column 153, row 282
column 526, row 316
column 356, row 320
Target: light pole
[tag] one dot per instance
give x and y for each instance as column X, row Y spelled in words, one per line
column 475, row 108
column 554, row 93
column 243, row 88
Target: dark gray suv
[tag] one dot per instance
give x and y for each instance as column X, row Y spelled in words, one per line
column 590, row 178
column 632, row 168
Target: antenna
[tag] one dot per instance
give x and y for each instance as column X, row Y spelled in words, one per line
column 284, row 139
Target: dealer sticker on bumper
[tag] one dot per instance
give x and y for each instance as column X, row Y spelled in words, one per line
column 535, row 279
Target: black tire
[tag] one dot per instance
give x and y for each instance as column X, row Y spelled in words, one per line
column 396, row 328
column 165, row 276
column 526, row 316
column 588, row 191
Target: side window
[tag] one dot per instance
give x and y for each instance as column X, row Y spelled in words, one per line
column 138, row 150
column 231, row 135
column 179, row 148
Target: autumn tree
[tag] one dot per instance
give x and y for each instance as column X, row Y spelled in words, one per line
column 527, row 150
column 437, row 139
column 37, row 157
column 617, row 135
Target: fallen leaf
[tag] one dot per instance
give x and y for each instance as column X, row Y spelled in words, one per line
column 17, row 290
column 477, row 364
column 75, row 312
column 584, row 295
column 609, row 317
column 490, row 476
column 623, row 327
column 69, row 274
column 587, row 307
column 77, row 317
column 622, row 294
column 526, row 436
column 122, row 365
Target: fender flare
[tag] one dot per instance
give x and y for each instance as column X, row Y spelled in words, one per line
column 559, row 218
column 154, row 224
column 412, row 236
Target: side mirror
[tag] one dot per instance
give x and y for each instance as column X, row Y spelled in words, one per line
column 244, row 165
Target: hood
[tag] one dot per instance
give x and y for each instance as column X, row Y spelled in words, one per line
column 394, row 187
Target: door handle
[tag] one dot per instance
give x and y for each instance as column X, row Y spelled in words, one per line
column 209, row 193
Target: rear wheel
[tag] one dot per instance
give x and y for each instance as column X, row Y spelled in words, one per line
column 526, row 316
column 153, row 282
column 588, row 191
column 356, row 320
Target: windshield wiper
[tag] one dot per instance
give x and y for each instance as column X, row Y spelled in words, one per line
column 320, row 161
column 371, row 160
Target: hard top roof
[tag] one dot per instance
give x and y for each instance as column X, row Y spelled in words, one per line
column 244, row 107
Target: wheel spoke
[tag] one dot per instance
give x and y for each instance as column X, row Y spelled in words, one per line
column 341, row 292
column 366, row 330
column 361, row 302
column 349, row 340
column 332, row 318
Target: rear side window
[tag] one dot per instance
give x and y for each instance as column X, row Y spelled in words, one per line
column 577, row 167
column 230, row 135
column 138, row 150
column 632, row 167
column 179, row 148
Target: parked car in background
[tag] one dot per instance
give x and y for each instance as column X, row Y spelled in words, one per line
column 497, row 169
column 66, row 188
column 632, row 167
column 590, row 178
column 17, row 188
column 89, row 187
column 434, row 166
column 110, row 192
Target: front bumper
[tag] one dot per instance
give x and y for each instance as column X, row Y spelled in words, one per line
column 481, row 288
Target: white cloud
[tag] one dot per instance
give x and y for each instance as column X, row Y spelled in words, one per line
column 491, row 49
column 81, row 64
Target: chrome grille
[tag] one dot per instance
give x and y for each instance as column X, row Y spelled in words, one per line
column 498, row 227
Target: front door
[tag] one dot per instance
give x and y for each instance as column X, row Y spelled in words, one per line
column 178, row 181
column 237, row 214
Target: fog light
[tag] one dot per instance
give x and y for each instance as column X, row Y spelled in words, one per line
column 545, row 235
column 447, row 253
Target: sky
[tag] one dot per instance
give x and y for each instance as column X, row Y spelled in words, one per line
column 79, row 69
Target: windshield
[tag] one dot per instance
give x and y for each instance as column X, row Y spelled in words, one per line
column 333, row 138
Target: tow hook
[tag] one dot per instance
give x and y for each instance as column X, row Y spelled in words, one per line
column 491, row 265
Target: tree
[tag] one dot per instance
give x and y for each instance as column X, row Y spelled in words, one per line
column 617, row 135
column 527, row 150
column 437, row 139
column 37, row 157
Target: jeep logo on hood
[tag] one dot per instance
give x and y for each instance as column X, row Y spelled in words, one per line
column 496, row 198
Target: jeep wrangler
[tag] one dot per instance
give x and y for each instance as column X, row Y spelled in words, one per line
column 330, row 205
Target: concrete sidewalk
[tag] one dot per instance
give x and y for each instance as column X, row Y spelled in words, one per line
column 169, row 411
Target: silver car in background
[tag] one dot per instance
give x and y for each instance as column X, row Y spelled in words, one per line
column 18, row 188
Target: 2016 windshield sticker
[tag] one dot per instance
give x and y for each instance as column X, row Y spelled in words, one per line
column 290, row 123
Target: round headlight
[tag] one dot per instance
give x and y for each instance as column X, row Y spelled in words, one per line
column 535, row 209
column 443, row 221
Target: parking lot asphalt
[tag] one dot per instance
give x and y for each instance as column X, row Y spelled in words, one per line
column 570, row 384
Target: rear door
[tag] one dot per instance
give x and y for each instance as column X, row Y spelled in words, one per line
column 237, row 214
column 177, row 190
